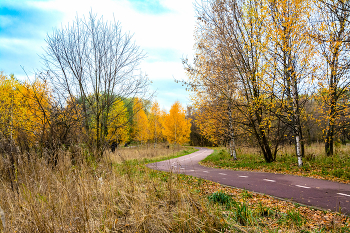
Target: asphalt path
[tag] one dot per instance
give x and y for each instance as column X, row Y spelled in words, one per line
column 318, row 193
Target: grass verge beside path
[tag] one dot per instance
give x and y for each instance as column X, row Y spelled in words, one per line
column 184, row 152
column 335, row 168
column 149, row 154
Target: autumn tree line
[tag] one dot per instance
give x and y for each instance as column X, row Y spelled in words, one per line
column 89, row 94
column 32, row 119
column 271, row 72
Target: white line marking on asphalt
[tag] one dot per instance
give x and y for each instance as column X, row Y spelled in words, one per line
column 344, row 194
column 206, row 171
column 191, row 170
column 222, row 174
column 300, row 186
column 269, row 180
column 243, row 176
column 182, row 168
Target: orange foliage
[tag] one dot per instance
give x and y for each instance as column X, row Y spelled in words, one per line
column 177, row 128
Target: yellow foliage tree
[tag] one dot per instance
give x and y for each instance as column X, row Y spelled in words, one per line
column 177, row 128
column 290, row 59
column 9, row 107
column 229, row 66
column 140, row 124
column 118, row 123
column 155, row 124
column 24, row 109
column 331, row 29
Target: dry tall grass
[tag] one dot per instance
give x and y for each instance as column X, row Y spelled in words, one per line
column 148, row 151
column 316, row 149
column 99, row 197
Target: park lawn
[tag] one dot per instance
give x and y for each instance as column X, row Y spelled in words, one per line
column 315, row 164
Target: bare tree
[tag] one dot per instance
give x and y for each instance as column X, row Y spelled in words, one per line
column 94, row 61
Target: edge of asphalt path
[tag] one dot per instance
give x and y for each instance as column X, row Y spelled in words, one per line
column 315, row 193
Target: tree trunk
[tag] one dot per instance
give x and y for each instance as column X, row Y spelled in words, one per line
column 155, row 133
column 293, row 96
column 266, row 149
column 329, row 142
column 328, row 145
column 262, row 139
column 232, row 135
column 297, row 126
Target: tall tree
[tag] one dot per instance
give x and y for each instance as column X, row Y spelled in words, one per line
column 290, row 57
column 212, row 80
column 331, row 32
column 235, row 31
column 94, row 61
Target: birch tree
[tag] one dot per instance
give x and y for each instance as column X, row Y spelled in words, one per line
column 290, row 56
column 331, row 32
column 237, row 35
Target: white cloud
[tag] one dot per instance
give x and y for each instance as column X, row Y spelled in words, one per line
column 171, row 31
column 18, row 45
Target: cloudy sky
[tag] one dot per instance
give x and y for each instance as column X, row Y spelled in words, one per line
column 162, row 28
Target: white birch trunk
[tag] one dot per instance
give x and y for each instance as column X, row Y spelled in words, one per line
column 297, row 141
column 3, row 220
column 232, row 136
column 233, row 149
column 296, row 121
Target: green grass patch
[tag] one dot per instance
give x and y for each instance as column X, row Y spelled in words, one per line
column 336, row 167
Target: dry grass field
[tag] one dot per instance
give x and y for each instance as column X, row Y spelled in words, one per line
column 100, row 197
column 148, row 151
column 316, row 149
column 120, row 194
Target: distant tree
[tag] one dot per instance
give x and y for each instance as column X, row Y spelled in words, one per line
column 155, row 124
column 118, row 123
column 177, row 128
column 140, row 126
column 196, row 137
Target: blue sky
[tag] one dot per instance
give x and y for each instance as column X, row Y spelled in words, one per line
column 162, row 28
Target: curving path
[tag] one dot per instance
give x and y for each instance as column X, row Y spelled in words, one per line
column 308, row 191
